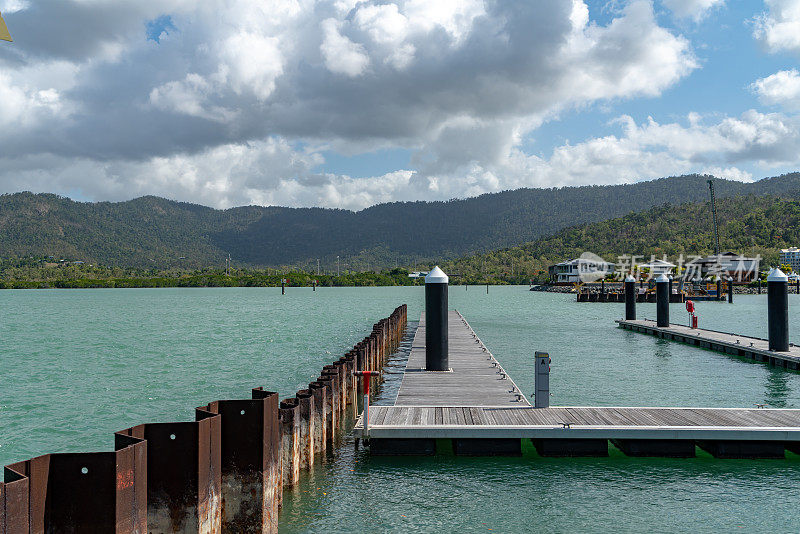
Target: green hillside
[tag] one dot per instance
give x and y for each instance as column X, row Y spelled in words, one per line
column 151, row 232
column 748, row 225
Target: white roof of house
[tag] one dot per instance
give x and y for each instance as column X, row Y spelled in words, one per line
column 583, row 260
column 657, row 263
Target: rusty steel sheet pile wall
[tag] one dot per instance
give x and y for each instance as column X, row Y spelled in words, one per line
column 40, row 494
column 183, row 474
column 224, row 472
column 250, row 462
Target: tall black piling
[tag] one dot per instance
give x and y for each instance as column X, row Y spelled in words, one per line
column 730, row 290
column 630, row 298
column 719, row 288
column 283, row 286
column 662, row 301
column 436, row 338
column 778, row 310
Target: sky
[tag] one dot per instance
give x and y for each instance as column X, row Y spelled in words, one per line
column 346, row 103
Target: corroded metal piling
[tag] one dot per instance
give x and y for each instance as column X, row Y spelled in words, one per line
column 290, row 437
column 305, row 401
column 321, row 415
column 330, row 407
column 183, row 474
column 81, row 492
column 250, row 462
column 223, row 472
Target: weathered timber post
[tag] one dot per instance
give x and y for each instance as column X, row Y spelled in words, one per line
column 436, row 335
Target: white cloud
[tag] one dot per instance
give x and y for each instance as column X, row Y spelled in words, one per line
column 235, row 104
column 254, row 62
column 779, row 27
column 781, row 88
column 273, row 171
column 694, row 9
column 728, row 173
column 342, row 55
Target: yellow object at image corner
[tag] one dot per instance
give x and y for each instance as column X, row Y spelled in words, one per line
column 4, row 35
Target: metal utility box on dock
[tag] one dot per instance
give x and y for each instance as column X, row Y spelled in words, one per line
column 542, row 380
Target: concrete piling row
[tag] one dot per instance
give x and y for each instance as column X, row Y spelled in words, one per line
column 224, row 472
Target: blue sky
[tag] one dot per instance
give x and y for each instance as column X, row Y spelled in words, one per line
column 348, row 103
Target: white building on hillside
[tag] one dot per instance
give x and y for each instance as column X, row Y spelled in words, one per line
column 791, row 256
column 580, row 270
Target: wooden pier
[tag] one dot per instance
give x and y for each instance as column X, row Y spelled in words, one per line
column 749, row 347
column 481, row 411
column 476, row 376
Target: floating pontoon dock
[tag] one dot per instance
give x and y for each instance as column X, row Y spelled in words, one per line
column 479, row 407
column 748, row 347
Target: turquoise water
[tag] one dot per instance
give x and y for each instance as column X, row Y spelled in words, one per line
column 78, row 365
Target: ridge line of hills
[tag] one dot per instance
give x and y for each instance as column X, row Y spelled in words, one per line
column 152, row 232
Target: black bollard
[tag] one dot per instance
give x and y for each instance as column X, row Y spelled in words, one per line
column 283, row 286
column 662, row 301
column 759, row 286
column 719, row 288
column 487, row 288
column 730, row 290
column 436, row 337
column 315, row 286
column 778, row 310
column 630, row 298
column 670, row 287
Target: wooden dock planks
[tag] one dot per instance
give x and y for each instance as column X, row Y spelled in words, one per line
column 474, row 379
column 474, row 401
column 583, row 421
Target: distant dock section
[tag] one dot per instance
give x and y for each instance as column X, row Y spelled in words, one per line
column 749, row 347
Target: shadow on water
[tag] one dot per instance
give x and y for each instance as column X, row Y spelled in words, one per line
column 777, row 389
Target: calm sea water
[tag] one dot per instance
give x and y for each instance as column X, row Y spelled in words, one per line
column 77, row 365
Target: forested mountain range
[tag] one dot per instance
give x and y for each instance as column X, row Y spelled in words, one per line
column 155, row 232
column 748, row 225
